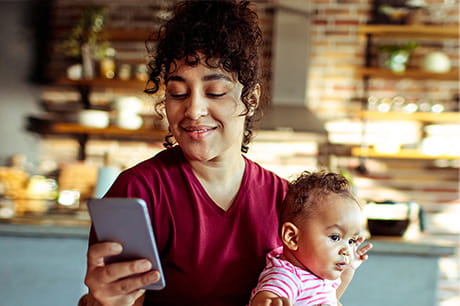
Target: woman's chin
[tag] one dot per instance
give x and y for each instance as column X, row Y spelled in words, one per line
column 198, row 153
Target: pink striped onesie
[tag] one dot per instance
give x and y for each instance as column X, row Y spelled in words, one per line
column 301, row 287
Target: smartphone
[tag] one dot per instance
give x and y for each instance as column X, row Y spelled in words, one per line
column 127, row 221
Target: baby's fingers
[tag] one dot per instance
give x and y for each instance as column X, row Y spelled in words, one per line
column 363, row 251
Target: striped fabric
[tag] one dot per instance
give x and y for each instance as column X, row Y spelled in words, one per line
column 301, row 287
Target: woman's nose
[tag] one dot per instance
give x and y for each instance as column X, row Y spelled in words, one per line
column 197, row 107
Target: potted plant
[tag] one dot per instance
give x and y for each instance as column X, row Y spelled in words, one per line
column 86, row 41
column 395, row 57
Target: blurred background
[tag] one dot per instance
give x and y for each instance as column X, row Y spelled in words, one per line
column 369, row 88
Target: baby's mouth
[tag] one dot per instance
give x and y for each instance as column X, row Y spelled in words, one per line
column 341, row 266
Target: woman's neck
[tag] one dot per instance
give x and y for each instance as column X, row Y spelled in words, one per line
column 221, row 178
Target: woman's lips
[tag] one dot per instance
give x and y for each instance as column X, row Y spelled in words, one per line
column 198, row 132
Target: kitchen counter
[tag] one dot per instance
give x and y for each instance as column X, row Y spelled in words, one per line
column 399, row 271
column 44, row 231
column 43, row 257
column 76, row 225
column 424, row 245
column 61, row 225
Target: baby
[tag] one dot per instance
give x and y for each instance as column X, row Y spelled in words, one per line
column 320, row 226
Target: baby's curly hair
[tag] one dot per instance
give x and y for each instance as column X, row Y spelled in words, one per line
column 226, row 32
column 308, row 191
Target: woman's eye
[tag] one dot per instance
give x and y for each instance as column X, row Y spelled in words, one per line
column 334, row 237
column 216, row 95
column 177, row 95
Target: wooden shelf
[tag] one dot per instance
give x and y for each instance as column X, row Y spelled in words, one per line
column 367, row 73
column 421, row 31
column 447, row 117
column 113, row 131
column 402, row 154
column 129, row 35
column 114, row 34
column 83, row 133
column 99, row 82
column 408, row 74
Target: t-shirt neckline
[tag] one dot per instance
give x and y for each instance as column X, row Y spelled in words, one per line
column 236, row 202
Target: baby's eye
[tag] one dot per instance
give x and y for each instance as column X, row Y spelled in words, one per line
column 352, row 241
column 334, row 237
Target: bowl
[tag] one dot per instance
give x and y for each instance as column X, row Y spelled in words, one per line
column 94, row 118
column 384, row 227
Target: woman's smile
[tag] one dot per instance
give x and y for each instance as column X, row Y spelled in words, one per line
column 198, row 132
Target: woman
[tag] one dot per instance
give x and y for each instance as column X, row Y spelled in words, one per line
column 213, row 210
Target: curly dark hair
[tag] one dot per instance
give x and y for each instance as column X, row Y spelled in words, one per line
column 308, row 190
column 226, row 32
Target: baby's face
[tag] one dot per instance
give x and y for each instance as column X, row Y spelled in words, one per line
column 327, row 239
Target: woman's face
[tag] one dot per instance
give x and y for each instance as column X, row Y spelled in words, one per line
column 203, row 108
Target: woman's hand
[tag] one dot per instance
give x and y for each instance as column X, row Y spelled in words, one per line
column 108, row 284
column 267, row 298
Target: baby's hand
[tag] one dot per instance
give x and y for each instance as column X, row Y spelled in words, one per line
column 360, row 254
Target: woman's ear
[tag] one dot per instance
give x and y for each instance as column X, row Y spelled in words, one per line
column 254, row 99
column 257, row 92
column 290, row 236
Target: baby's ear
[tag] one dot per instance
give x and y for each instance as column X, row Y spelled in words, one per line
column 290, row 236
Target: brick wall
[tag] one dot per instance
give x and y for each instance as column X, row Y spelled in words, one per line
column 337, row 50
column 334, row 88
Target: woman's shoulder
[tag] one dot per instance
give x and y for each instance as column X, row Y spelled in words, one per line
column 165, row 163
column 145, row 176
column 163, row 159
column 261, row 174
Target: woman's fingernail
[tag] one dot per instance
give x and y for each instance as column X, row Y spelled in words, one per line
column 116, row 247
column 153, row 277
column 144, row 265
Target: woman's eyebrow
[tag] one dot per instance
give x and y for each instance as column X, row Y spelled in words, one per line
column 175, row 78
column 216, row 77
column 209, row 77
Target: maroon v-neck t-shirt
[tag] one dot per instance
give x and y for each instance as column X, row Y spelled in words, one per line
column 209, row 256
